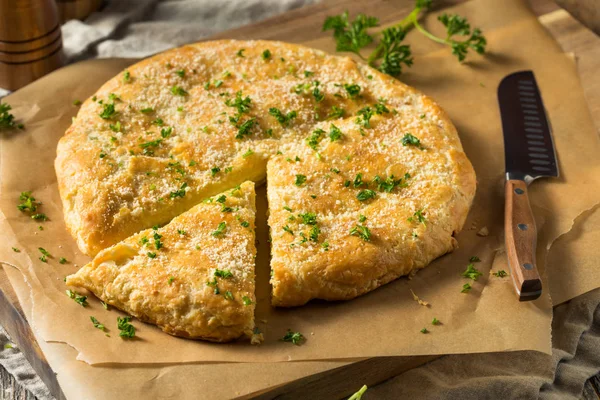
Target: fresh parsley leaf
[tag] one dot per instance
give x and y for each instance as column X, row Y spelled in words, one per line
column 246, row 300
column 7, row 120
column 466, row 288
column 108, row 111
column 364, row 116
column 410, row 140
column 336, row 112
column 248, row 153
column 151, row 254
column 166, row 132
column 314, row 233
column 78, row 298
column 126, row 76
column 424, row 330
column 293, row 337
column 288, row 230
column 435, row 321
column 313, row 140
column 16, row 250
column 282, row 118
column 474, row 259
column 353, row 90
column 245, row 128
column 500, row 274
column 228, row 295
column 240, row 52
column 362, row 218
column 28, row 202
column 300, row 179
column 419, row 217
column 223, row 273
column 266, row 54
column 180, row 73
column 350, row 36
column 214, row 171
column 245, row 224
column 362, row 232
column 366, row 194
column 308, row 218
column 178, row 91
column 392, row 53
column 180, row 192
column 220, row 229
column 471, row 272
column 126, row 329
column 76, row 103
column 97, row 323
column 334, row 133
column 63, row 260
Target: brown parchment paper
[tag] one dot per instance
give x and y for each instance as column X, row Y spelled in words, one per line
column 387, row 321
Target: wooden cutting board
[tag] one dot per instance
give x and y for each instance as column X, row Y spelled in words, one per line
column 292, row 27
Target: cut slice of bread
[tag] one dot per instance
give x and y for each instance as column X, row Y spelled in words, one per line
column 193, row 277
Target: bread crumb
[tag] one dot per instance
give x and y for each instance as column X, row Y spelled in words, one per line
column 483, row 231
column 418, row 300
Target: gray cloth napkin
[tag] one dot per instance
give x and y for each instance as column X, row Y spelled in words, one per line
column 138, row 28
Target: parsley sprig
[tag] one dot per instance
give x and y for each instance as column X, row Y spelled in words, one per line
column 7, row 120
column 390, row 55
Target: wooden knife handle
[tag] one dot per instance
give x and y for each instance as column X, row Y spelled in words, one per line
column 521, row 240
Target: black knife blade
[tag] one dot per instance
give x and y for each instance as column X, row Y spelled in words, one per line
column 528, row 146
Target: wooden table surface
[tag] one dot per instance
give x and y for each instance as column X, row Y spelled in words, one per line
column 571, row 35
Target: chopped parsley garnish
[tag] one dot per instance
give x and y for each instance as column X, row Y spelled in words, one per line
column 97, row 323
column 116, row 127
column 241, row 104
column 314, row 233
column 78, row 298
column 390, row 183
column 246, row 300
column 424, row 330
column 474, row 259
column 286, row 208
column 214, row 171
column 16, row 250
column 248, row 153
column 410, row 140
column 147, row 110
column 41, row 217
column 366, row 194
column 240, row 52
column 362, row 232
column 364, row 117
column 108, row 111
column 151, row 254
column 180, row 73
column 471, row 272
column 149, row 145
column 180, row 192
column 181, row 232
column 352, row 90
column 282, row 118
column 314, row 139
column 28, row 202
column 220, row 229
column 362, row 218
column 288, row 230
column 293, row 337
column 336, row 112
column 166, row 132
column 266, row 54
column 178, row 91
column 358, row 180
column 63, row 260
column 245, row 224
column 309, row 218
column 466, row 288
column 221, row 199
column 7, row 120
column 126, row 329
column 76, row 102
column 308, row 74
column 300, row 179
column 228, row 295
column 45, row 254
column 435, row 321
column 419, row 217
column 500, row 274
column 245, row 128
column 104, row 305
column 325, row 246
column 223, row 273
column 170, row 281
column 334, row 133
column 126, row 76
column 214, row 284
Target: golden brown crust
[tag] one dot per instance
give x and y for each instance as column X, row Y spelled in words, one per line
column 173, row 284
column 112, row 188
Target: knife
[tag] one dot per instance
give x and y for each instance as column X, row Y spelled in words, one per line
column 529, row 154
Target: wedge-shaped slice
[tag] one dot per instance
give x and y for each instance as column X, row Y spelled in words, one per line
column 194, row 277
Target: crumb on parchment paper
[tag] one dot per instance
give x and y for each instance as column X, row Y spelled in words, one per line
column 418, row 300
column 483, row 231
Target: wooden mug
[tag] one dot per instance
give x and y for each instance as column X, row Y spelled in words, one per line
column 30, row 41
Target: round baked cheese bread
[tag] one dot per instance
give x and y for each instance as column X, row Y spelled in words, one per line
column 367, row 180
